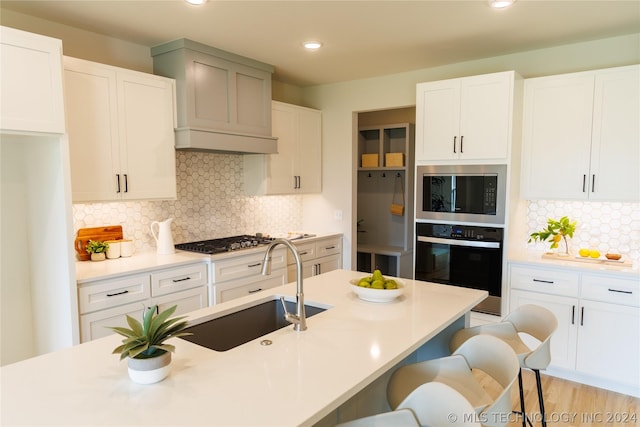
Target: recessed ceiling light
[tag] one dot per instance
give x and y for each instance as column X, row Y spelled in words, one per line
column 196, row 2
column 312, row 45
column 500, row 4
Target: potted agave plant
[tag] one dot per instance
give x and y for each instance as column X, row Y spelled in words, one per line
column 555, row 232
column 144, row 344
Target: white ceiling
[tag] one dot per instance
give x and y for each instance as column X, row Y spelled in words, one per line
column 361, row 38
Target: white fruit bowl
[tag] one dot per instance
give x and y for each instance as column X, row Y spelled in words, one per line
column 377, row 295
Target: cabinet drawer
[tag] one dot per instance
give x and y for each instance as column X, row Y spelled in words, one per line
column 307, row 251
column 178, row 279
column 96, row 325
column 243, row 287
column 613, row 290
column 555, row 282
column 246, row 265
column 111, row 293
column 328, row 247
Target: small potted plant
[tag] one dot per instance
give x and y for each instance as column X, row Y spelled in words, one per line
column 144, row 344
column 97, row 249
column 556, row 231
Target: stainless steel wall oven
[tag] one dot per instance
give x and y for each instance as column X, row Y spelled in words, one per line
column 462, row 255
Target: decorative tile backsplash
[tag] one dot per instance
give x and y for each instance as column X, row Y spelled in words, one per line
column 606, row 226
column 210, row 204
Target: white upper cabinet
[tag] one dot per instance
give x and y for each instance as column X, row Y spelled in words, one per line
column 121, row 133
column 31, row 83
column 297, row 168
column 464, row 119
column 581, row 136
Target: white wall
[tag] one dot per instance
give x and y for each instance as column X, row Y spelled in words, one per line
column 340, row 101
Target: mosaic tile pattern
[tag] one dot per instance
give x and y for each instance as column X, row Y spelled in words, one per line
column 210, row 204
column 608, row 227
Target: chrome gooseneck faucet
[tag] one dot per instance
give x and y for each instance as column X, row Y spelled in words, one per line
column 299, row 319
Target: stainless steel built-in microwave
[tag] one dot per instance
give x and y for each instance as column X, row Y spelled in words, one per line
column 463, row 193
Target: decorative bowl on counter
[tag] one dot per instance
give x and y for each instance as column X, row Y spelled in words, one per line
column 377, row 295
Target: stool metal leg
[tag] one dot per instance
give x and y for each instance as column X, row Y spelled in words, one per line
column 525, row 418
column 524, row 414
column 540, row 397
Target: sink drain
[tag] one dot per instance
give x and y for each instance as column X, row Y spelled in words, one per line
column 266, row 342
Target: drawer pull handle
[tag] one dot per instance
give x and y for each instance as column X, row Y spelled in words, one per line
column 255, row 290
column 254, row 265
column 126, row 291
column 621, row 291
column 304, row 253
column 181, row 280
column 543, row 281
column 329, row 248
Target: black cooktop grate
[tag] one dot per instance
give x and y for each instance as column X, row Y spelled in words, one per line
column 225, row 244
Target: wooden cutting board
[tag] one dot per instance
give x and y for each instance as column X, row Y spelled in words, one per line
column 109, row 232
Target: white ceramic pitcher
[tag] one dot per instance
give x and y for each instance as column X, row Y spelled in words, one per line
column 164, row 238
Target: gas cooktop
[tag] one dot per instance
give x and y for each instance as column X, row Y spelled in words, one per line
column 225, row 244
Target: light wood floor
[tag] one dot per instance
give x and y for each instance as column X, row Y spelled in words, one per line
column 571, row 404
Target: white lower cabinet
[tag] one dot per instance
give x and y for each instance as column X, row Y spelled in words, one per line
column 104, row 303
column 242, row 275
column 598, row 321
column 317, row 256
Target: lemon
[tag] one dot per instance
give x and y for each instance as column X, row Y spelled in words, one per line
column 584, row 252
column 557, row 238
column 594, row 253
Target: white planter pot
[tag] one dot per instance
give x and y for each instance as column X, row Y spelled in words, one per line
column 98, row 256
column 149, row 371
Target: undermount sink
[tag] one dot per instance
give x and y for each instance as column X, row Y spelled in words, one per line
column 231, row 330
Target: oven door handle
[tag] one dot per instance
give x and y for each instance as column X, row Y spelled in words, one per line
column 453, row 242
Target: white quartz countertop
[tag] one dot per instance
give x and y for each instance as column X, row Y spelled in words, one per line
column 296, row 381
column 147, row 261
column 629, row 270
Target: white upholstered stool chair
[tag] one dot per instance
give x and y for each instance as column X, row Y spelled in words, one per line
column 486, row 353
column 529, row 319
column 431, row 404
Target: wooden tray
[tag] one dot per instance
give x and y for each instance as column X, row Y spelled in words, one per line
column 620, row 262
column 109, row 232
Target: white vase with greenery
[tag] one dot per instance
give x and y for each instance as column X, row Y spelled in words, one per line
column 149, row 357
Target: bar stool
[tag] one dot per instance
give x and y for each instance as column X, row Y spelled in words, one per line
column 432, row 404
column 529, row 319
column 483, row 352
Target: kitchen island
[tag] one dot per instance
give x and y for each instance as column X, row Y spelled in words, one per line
column 301, row 379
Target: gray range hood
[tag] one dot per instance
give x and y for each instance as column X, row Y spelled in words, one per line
column 223, row 99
